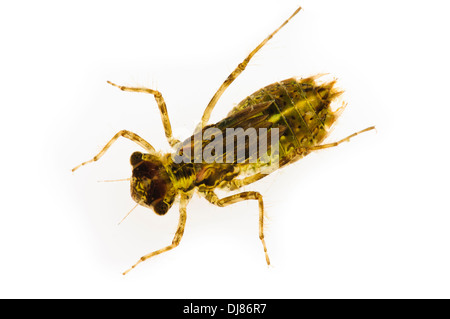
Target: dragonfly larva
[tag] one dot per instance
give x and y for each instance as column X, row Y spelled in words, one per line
column 296, row 113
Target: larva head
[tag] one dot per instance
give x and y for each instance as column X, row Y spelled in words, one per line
column 150, row 184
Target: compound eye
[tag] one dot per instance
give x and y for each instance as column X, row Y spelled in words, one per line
column 136, row 158
column 161, row 208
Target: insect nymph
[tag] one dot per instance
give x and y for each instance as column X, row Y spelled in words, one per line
column 297, row 109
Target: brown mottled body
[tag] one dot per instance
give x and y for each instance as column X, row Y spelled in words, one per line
column 299, row 110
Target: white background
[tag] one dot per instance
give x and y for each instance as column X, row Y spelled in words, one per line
column 369, row 219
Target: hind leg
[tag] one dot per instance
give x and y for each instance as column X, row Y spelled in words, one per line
column 347, row 139
column 240, row 68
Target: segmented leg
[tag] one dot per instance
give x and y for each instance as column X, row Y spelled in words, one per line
column 238, row 183
column 241, row 67
column 127, row 134
column 176, row 239
column 162, row 108
column 212, row 198
column 319, row 147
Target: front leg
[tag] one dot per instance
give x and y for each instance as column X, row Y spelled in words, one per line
column 176, row 239
column 213, row 199
column 124, row 133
